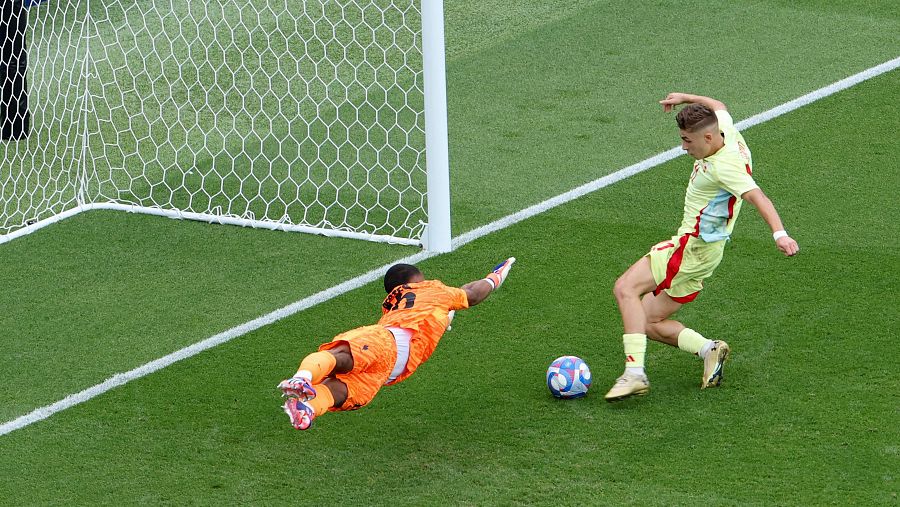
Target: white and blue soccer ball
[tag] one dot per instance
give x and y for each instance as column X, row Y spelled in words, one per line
column 568, row 377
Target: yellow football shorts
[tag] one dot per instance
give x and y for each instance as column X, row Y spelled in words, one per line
column 680, row 264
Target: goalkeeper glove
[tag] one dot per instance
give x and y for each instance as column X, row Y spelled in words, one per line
column 450, row 315
column 498, row 274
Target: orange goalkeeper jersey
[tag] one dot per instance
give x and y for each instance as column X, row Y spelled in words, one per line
column 422, row 308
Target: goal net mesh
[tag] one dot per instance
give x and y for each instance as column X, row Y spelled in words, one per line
column 286, row 112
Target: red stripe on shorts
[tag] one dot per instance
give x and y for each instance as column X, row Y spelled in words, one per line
column 673, row 266
column 685, row 299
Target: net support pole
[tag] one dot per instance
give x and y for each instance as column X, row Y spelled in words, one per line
column 437, row 158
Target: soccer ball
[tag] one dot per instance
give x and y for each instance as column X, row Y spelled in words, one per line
column 568, row 377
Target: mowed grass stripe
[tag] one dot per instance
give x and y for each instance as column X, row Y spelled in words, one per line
column 216, row 340
column 792, row 425
column 66, row 287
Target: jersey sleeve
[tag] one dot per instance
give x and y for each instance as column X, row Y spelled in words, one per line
column 726, row 126
column 458, row 298
column 732, row 171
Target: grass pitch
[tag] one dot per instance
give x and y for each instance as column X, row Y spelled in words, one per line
column 807, row 413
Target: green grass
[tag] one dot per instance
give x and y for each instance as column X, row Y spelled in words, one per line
column 575, row 99
column 542, row 98
column 806, row 415
column 574, row 118
column 256, row 126
column 79, row 291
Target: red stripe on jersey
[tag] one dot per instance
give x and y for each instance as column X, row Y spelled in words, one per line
column 696, row 232
column 731, row 202
column 749, row 171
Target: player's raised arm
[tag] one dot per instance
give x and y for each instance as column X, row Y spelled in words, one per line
column 675, row 98
column 766, row 209
column 479, row 290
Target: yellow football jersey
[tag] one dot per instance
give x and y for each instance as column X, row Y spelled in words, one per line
column 713, row 198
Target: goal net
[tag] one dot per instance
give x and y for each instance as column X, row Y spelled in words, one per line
column 306, row 115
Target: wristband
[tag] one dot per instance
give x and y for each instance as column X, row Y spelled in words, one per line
column 493, row 279
column 779, row 234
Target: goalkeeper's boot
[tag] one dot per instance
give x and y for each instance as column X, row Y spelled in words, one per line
column 713, row 363
column 297, row 387
column 628, row 385
column 300, row 412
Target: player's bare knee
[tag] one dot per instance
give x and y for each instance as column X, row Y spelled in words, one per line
column 343, row 358
column 341, row 348
column 344, row 364
column 338, row 390
column 623, row 288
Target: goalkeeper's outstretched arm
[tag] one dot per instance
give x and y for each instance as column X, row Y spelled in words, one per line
column 479, row 290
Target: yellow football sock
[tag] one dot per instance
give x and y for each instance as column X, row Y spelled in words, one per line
column 317, row 365
column 323, row 400
column 635, row 349
column 691, row 341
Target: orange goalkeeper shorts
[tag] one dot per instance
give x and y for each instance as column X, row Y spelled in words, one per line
column 374, row 354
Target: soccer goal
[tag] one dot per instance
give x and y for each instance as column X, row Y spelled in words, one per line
column 321, row 116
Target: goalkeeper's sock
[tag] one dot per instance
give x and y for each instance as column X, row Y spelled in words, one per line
column 323, row 400
column 693, row 342
column 316, row 366
column 635, row 349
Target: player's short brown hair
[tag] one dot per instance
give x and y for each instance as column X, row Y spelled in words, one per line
column 695, row 117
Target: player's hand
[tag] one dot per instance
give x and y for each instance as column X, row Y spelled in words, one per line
column 787, row 245
column 672, row 99
column 498, row 275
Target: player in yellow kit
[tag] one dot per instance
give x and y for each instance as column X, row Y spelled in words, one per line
column 347, row 372
column 672, row 273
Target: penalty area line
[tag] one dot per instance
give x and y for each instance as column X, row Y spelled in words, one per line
column 120, row 379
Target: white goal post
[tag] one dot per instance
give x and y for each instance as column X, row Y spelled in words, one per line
column 321, row 116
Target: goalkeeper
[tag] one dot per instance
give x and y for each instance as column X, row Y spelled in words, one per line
column 347, row 372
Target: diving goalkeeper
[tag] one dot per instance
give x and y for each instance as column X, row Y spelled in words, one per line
column 347, row 372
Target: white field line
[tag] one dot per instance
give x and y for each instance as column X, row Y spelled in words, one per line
column 375, row 274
